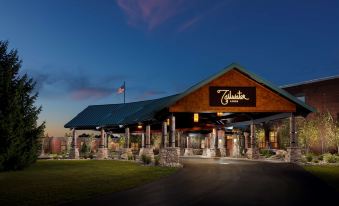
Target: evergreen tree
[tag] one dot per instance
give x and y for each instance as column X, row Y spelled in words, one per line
column 20, row 135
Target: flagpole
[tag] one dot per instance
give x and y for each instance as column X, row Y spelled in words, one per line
column 124, row 92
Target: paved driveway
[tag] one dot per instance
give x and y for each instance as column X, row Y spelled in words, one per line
column 227, row 182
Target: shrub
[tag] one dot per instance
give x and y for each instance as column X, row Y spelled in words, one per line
column 146, row 159
column 309, row 157
column 266, row 153
column 320, row 157
column 329, row 158
column 130, row 157
column 156, row 160
column 316, row 161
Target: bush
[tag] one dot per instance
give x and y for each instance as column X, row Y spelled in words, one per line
column 130, row 157
column 309, row 157
column 320, row 157
column 156, row 160
column 266, row 153
column 146, row 159
column 329, row 158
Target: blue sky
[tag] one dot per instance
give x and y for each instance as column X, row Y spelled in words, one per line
column 81, row 51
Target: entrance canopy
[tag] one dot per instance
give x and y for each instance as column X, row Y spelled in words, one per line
column 232, row 96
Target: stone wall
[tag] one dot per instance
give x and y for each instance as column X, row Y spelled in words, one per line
column 170, row 157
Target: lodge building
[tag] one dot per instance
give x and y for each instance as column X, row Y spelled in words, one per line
column 221, row 112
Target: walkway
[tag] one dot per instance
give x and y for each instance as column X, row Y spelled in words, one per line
column 227, row 182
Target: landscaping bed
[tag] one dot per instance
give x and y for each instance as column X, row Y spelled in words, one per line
column 51, row 182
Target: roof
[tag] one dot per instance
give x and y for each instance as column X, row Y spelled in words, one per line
column 136, row 112
column 311, row 81
column 119, row 114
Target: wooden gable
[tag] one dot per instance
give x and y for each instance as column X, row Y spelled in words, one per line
column 266, row 99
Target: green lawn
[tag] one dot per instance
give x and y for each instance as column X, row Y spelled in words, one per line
column 329, row 174
column 51, row 182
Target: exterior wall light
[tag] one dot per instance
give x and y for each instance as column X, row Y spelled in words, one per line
column 220, row 114
column 168, row 121
column 196, row 117
column 139, row 126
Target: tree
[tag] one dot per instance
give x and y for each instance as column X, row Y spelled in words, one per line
column 20, row 134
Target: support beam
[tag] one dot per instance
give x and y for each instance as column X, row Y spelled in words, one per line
column 74, row 152
column 293, row 152
column 127, row 137
column 148, row 136
column 102, row 151
column 164, row 136
column 260, row 120
column 253, row 152
column 143, row 140
column 172, row 130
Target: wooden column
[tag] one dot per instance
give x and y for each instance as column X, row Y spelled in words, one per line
column 74, row 139
column 102, row 139
column 127, row 136
column 252, row 136
column 164, row 137
column 142, row 140
column 214, row 139
column 293, row 137
column 148, row 136
column 172, row 130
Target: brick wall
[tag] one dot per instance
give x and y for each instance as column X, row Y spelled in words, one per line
column 323, row 95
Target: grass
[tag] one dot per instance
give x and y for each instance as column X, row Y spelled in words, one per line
column 59, row 181
column 329, row 174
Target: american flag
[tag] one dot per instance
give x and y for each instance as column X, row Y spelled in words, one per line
column 121, row 89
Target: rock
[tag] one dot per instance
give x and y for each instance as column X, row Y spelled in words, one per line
column 170, row 157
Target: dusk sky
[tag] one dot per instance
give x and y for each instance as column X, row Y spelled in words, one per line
column 81, row 51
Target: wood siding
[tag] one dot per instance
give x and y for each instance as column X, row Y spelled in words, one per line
column 266, row 100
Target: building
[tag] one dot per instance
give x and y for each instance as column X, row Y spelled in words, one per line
column 233, row 98
column 322, row 94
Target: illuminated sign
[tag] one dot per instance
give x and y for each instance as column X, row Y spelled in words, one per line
column 232, row 96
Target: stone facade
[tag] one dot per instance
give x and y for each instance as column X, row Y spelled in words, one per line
column 147, row 151
column 252, row 153
column 126, row 152
column 222, row 152
column 188, row 152
column 293, row 154
column 213, row 152
column 170, row 157
column 102, row 153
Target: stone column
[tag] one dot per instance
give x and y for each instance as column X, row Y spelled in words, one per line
column 126, row 151
column 164, row 138
column 253, row 152
column 148, row 150
column 102, row 151
column 221, row 143
column 172, row 130
column 246, row 135
column 213, row 151
column 204, row 151
column 74, row 152
column 293, row 152
column 188, row 149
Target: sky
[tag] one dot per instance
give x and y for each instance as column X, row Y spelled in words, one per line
column 81, row 51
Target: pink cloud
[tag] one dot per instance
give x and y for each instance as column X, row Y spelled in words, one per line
column 189, row 23
column 153, row 13
column 87, row 93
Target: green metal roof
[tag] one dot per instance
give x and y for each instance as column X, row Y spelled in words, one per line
column 119, row 114
column 135, row 112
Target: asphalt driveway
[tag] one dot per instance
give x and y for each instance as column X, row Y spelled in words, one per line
column 227, row 182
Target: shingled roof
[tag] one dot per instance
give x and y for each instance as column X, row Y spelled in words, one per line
column 134, row 112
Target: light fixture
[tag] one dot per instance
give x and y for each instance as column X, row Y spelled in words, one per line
column 139, row 126
column 220, row 114
column 196, row 117
column 168, row 121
